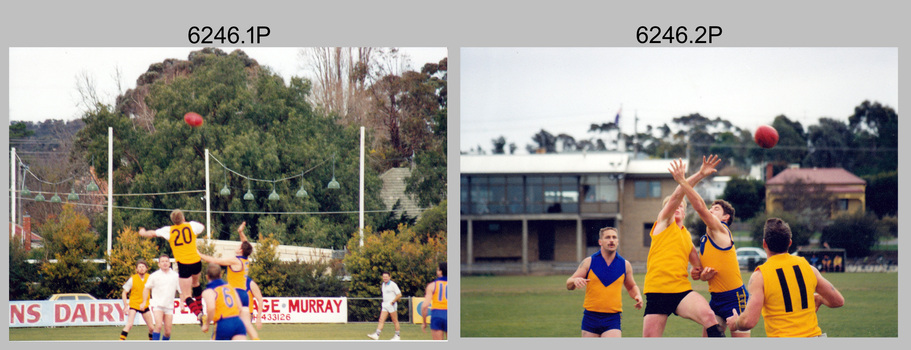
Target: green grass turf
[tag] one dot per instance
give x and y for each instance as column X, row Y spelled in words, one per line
column 540, row 306
column 278, row 331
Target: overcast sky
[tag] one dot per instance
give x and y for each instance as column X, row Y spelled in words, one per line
column 43, row 80
column 516, row 92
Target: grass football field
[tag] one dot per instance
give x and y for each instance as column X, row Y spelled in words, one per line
column 280, row 332
column 540, row 306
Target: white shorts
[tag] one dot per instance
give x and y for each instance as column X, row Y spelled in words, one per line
column 390, row 308
column 164, row 309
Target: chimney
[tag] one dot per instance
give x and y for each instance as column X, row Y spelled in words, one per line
column 27, row 231
column 768, row 171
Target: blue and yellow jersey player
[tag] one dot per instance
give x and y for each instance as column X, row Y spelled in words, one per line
column 718, row 256
column 222, row 307
column 236, row 276
column 603, row 275
column 436, row 299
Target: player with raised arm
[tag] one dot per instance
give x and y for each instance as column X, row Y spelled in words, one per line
column 786, row 289
column 718, row 255
column 236, row 276
column 602, row 276
column 222, row 307
column 667, row 289
column 181, row 237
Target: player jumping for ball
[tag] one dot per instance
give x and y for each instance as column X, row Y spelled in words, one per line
column 182, row 238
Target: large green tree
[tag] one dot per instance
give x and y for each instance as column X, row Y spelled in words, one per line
column 256, row 124
column 428, row 180
column 411, row 260
column 856, row 233
column 19, row 131
column 21, row 272
column 746, row 195
column 68, row 241
column 832, row 142
column 876, row 133
column 882, row 193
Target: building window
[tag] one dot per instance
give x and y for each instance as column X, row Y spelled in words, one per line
column 843, row 204
column 515, row 195
column 599, row 189
column 561, row 194
column 463, row 195
column 534, row 194
column 497, row 195
column 648, row 189
column 646, row 238
column 480, row 195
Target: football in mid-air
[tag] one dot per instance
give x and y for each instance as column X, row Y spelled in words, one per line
column 193, row 119
column 766, row 136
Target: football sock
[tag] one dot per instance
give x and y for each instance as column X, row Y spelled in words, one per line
column 715, row 331
column 166, row 337
column 151, row 335
column 156, row 336
column 123, row 335
column 191, row 303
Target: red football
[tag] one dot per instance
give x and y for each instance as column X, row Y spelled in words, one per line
column 193, row 119
column 766, row 136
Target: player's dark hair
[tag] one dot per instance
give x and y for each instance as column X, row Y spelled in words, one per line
column 442, row 268
column 727, row 208
column 777, row 235
column 387, row 273
column 142, row 261
column 213, row 272
column 246, row 249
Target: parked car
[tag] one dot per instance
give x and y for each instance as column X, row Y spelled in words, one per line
column 72, row 296
column 750, row 257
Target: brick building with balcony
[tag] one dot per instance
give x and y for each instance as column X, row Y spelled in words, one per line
column 538, row 211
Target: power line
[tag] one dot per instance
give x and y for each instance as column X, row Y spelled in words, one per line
column 264, row 180
column 200, row 211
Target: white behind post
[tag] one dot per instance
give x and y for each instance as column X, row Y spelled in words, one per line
column 208, row 201
column 361, row 221
column 12, row 188
column 110, row 190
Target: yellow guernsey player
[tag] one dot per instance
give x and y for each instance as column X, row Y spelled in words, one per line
column 222, row 307
column 237, row 267
column 602, row 275
column 667, row 290
column 132, row 299
column 182, row 238
column 436, row 298
column 717, row 254
column 787, row 289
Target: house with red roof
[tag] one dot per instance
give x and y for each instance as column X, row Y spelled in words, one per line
column 847, row 191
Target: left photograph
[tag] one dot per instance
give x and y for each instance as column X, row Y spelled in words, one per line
column 228, row 194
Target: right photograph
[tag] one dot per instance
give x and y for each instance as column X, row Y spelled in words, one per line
column 679, row 192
